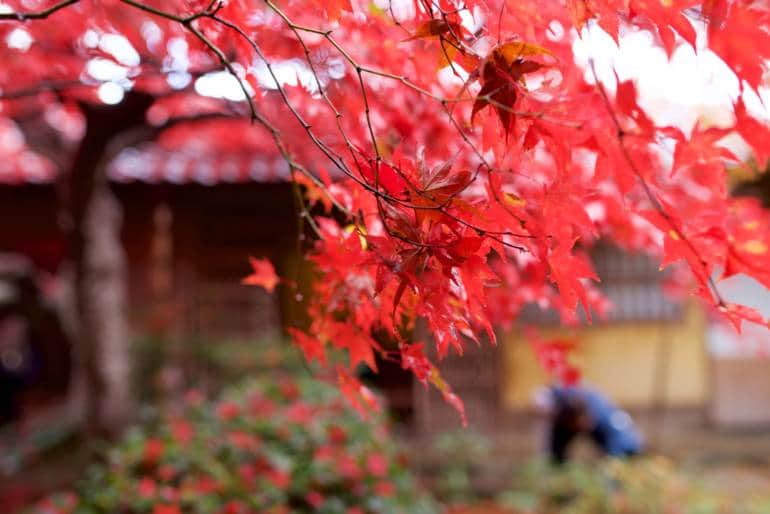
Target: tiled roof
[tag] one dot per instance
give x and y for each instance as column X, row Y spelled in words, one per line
column 26, row 167
column 154, row 165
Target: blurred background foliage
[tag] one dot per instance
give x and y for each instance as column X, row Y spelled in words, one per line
column 277, row 440
column 645, row 485
column 274, row 444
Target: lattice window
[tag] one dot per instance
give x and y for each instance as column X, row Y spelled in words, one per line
column 632, row 282
column 475, row 378
column 232, row 310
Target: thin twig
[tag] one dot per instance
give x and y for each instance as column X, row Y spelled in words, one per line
column 39, row 15
column 657, row 206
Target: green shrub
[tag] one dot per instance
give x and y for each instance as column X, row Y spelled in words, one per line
column 272, row 446
column 210, row 364
column 459, row 456
column 651, row 485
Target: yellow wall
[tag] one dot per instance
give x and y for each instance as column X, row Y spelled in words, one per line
column 623, row 361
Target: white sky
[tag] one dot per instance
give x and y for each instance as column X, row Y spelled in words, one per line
column 693, row 86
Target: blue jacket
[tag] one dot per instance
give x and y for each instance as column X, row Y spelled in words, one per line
column 610, row 427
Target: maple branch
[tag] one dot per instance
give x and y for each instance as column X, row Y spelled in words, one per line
column 327, row 34
column 337, row 114
column 304, row 213
column 293, row 165
column 154, row 11
column 487, row 98
column 621, row 134
column 186, row 22
column 331, row 155
column 255, row 115
column 335, row 158
column 213, row 7
column 360, row 70
column 305, row 125
column 228, row 66
column 39, row 15
column 443, row 101
column 379, row 194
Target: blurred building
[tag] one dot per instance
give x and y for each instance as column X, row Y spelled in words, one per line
column 189, row 225
column 740, row 363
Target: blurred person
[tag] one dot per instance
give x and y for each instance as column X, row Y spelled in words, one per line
column 578, row 410
column 35, row 351
column 13, row 361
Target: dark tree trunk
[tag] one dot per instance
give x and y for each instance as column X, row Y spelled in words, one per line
column 92, row 218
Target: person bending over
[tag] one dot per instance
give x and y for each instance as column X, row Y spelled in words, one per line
column 579, row 410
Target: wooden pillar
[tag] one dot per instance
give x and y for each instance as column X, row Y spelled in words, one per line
column 92, row 218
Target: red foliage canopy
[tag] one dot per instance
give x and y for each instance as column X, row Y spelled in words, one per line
column 454, row 145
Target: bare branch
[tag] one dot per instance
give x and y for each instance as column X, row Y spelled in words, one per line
column 621, row 134
column 154, row 11
column 39, row 15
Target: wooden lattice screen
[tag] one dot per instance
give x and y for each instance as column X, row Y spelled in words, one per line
column 632, row 282
column 475, row 378
column 221, row 310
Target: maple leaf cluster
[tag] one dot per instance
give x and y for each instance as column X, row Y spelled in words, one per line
column 454, row 160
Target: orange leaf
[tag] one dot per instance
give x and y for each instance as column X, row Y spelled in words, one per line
column 263, row 275
column 579, row 12
column 431, row 28
column 358, row 395
column 434, row 377
column 515, row 50
column 502, row 75
column 313, row 192
column 334, row 8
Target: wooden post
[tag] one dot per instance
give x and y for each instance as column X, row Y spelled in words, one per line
column 92, row 218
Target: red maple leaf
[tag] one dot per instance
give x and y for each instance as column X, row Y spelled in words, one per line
column 263, row 275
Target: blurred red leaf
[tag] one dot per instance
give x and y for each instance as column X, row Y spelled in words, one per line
column 263, row 275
